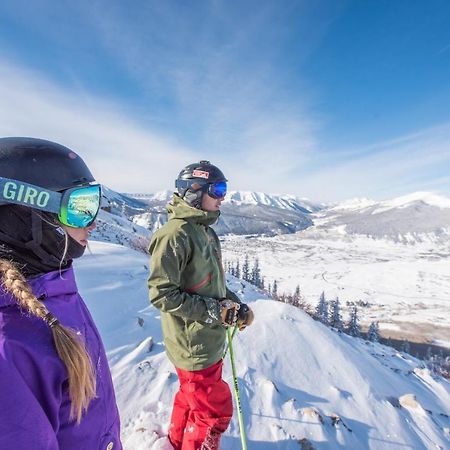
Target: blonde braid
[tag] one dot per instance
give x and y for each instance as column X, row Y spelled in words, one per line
column 68, row 346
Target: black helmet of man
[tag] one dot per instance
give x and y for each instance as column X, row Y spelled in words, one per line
column 193, row 181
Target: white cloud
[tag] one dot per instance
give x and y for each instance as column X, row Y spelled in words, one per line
column 410, row 163
column 120, row 153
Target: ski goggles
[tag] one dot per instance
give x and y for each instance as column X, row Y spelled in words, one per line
column 215, row 190
column 76, row 207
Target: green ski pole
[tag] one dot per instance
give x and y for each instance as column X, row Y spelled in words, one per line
column 232, row 336
column 236, row 392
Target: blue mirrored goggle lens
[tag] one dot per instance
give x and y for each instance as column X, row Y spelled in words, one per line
column 218, row 190
column 81, row 207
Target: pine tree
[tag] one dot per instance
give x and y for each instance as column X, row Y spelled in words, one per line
column 373, row 334
column 335, row 315
column 296, row 298
column 246, row 269
column 237, row 270
column 405, row 348
column 321, row 312
column 353, row 326
column 232, row 272
column 269, row 289
column 255, row 276
column 275, row 289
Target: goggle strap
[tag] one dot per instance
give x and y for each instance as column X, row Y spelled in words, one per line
column 186, row 184
column 26, row 194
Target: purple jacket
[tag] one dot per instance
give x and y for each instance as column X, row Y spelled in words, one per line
column 34, row 398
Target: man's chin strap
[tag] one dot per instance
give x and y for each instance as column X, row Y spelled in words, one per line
column 194, row 198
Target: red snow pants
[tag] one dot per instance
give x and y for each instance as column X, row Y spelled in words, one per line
column 202, row 409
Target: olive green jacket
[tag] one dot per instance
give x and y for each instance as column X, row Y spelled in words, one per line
column 186, row 281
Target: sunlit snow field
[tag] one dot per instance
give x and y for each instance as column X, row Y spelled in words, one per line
column 407, row 286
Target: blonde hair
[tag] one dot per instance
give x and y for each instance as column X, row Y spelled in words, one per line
column 82, row 385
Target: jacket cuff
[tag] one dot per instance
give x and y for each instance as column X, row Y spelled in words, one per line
column 212, row 309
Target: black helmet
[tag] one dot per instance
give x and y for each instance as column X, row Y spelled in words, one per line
column 194, row 180
column 33, row 238
column 42, row 163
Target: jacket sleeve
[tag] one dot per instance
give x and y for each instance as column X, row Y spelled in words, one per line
column 24, row 423
column 169, row 256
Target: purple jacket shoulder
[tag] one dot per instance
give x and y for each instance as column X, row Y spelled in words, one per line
column 34, row 399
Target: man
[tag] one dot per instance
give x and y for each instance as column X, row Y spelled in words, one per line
column 187, row 283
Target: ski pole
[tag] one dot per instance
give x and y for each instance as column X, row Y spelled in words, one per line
column 236, row 392
column 232, row 336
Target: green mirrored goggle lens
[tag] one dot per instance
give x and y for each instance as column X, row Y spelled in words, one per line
column 80, row 206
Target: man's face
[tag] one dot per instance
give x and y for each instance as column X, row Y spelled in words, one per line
column 211, row 204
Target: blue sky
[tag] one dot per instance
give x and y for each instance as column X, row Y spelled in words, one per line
column 322, row 99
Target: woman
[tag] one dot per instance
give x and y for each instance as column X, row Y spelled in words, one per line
column 56, row 390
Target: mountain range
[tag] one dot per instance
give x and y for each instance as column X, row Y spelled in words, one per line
column 419, row 217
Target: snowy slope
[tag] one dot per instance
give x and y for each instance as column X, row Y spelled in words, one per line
column 118, row 229
column 298, row 379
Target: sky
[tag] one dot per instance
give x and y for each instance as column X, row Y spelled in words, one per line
column 329, row 100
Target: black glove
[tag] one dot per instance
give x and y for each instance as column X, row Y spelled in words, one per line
column 229, row 312
column 245, row 316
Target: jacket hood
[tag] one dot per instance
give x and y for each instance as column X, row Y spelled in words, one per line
column 179, row 209
column 52, row 284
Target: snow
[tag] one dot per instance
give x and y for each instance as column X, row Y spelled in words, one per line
column 298, row 379
column 353, row 204
column 426, row 197
column 278, row 201
column 404, row 285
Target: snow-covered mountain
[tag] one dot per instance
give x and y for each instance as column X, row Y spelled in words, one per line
column 249, row 213
column 301, row 383
column 418, row 217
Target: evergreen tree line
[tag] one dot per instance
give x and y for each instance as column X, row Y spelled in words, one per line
column 438, row 364
column 246, row 271
column 251, row 272
column 329, row 313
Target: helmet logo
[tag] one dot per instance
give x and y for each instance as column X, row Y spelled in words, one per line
column 73, row 155
column 25, row 194
column 200, row 174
